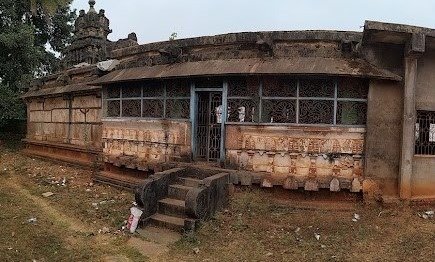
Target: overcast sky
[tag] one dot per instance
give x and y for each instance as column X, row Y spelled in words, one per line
column 155, row 20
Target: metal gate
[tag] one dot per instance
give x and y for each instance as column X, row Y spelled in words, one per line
column 209, row 119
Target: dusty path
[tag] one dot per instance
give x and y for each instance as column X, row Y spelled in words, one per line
column 151, row 249
column 56, row 216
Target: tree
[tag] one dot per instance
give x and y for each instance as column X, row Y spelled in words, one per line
column 32, row 35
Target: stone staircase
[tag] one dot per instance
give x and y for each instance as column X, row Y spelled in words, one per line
column 171, row 211
column 179, row 198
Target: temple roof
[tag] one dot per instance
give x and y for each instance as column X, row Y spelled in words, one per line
column 306, row 66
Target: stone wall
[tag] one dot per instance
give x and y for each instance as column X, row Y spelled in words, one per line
column 423, row 175
column 384, row 135
column 143, row 143
column 72, row 120
column 301, row 153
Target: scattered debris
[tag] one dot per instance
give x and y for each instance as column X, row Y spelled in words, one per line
column 104, row 230
column 297, row 230
column 269, row 254
column 32, row 220
column 317, row 236
column 356, row 217
column 196, row 250
column 323, row 246
column 427, row 214
column 133, row 219
column 64, row 181
column 88, row 190
column 47, row 194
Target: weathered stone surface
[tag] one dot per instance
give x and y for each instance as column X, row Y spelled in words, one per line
column 291, row 183
column 155, row 188
column 86, row 102
column 245, row 179
column 311, row 185
column 234, row 178
column 55, row 103
column 371, row 190
column 334, row 185
column 60, row 115
column 266, row 183
column 356, row 186
column 212, row 196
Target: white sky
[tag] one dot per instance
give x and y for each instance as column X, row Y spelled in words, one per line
column 155, row 20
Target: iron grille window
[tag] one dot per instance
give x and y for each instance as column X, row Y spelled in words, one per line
column 243, row 100
column 314, row 101
column 152, row 99
column 425, row 133
column 177, row 99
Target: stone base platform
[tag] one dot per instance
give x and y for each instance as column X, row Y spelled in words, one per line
column 71, row 154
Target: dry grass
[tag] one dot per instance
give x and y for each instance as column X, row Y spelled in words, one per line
column 257, row 226
column 68, row 224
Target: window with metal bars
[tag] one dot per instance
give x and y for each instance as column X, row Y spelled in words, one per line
column 425, row 133
column 313, row 101
column 151, row 99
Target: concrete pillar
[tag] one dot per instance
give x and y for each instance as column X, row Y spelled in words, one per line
column 415, row 48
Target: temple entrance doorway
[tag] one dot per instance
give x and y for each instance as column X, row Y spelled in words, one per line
column 208, row 126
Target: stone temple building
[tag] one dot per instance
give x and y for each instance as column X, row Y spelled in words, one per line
column 306, row 110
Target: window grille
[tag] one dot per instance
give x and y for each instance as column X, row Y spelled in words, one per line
column 271, row 100
column 314, row 101
column 243, row 100
column 151, row 99
column 177, row 99
column 425, row 133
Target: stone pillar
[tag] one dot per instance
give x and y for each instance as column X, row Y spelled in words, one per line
column 414, row 49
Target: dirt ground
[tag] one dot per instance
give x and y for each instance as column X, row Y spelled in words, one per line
column 81, row 222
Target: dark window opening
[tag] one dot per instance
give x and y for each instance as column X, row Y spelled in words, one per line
column 425, row 133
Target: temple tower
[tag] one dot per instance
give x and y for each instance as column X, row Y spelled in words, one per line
column 90, row 41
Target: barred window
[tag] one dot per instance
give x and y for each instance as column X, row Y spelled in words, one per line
column 425, row 133
column 314, row 101
column 177, row 99
column 243, row 100
column 150, row 99
column 153, row 100
column 279, row 100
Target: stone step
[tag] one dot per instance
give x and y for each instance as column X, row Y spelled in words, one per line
column 117, row 180
column 188, row 181
column 172, row 207
column 169, row 222
column 178, row 191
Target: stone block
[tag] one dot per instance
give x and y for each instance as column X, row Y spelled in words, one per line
column 35, row 116
column 266, row 183
column 311, row 185
column 234, row 178
column 60, row 115
column 36, row 105
column 291, row 183
column 78, row 116
column 55, row 103
column 86, row 102
column 93, row 116
column 245, row 179
column 61, row 131
column 356, row 186
column 334, row 186
column 46, row 116
column 49, row 129
column 257, row 178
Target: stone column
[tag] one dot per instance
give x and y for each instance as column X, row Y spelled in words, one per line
column 414, row 49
